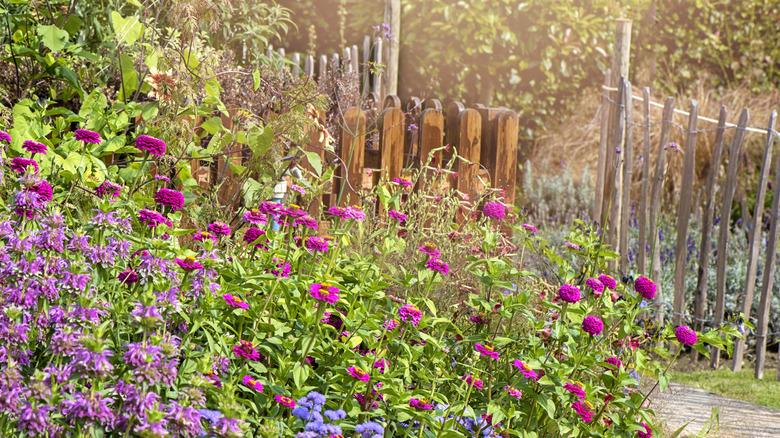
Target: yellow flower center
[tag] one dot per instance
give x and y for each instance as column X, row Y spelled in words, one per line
column 590, row 406
column 190, row 258
column 526, row 367
column 429, row 245
column 324, row 292
column 579, row 384
column 414, row 308
column 360, row 372
column 487, row 347
column 251, row 382
column 237, row 299
column 295, row 206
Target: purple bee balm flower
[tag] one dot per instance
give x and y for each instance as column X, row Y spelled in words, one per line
column 358, row 374
column 577, row 389
column 685, row 335
column 400, row 217
column 421, row 405
column 189, row 263
column 645, row 287
column 430, row 249
column 410, row 314
column 486, row 350
column 437, row 265
column 254, row 217
column 530, row 228
column 592, row 325
column 34, row 147
column 285, row 401
column 4, row 136
column 235, row 301
column 526, row 370
column 20, row 164
column 494, row 210
column 90, row 407
column 87, row 136
column 253, row 234
column 108, row 188
column 317, row 244
column 247, row 349
column 569, row 293
column 170, row 198
column 219, row 229
column 154, row 146
column 324, row 292
column 608, row 281
column 253, row 383
column 35, row 419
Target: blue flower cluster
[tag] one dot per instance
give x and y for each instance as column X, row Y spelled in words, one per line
column 309, row 410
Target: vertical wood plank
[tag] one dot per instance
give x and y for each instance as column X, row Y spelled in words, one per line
column 282, row 56
column 723, row 229
column 488, row 152
column 431, row 137
column 391, row 101
column 470, row 124
column 655, row 204
column 707, row 224
column 755, row 240
column 316, row 144
column 628, row 171
column 614, row 175
column 296, row 69
column 378, row 88
column 765, row 302
column 353, row 145
column 452, row 133
column 642, row 208
column 506, row 160
column 684, row 214
column 355, row 59
column 323, row 69
column 432, row 103
column 335, row 63
column 308, row 68
column 598, row 200
column 365, row 84
column 393, row 19
column 391, row 139
column 347, row 59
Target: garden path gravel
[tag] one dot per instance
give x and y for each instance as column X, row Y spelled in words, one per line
column 679, row 404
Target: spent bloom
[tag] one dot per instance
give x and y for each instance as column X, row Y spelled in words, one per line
column 154, row 146
column 592, row 325
column 297, row 188
column 358, row 374
column 486, row 350
column 324, row 292
column 569, row 293
column 645, row 287
column 494, row 210
column 87, row 136
column 437, row 265
column 685, row 335
column 410, row 314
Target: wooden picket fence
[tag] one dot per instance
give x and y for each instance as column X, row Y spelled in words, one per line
column 617, row 145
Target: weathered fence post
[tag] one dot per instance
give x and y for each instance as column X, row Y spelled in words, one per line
column 506, row 161
column 431, row 137
column 615, row 175
column 378, row 88
column 755, row 240
column 391, row 138
column 765, row 302
column 601, row 170
column 723, row 228
column 684, row 214
column 642, row 210
column 706, row 227
column 655, row 203
column 628, row 170
column 353, row 147
column 393, row 19
column 470, row 125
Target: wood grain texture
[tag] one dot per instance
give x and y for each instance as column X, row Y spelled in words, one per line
column 614, row 175
column 628, row 171
column 643, row 195
column 605, row 110
column 452, row 129
column 723, row 229
column 391, row 138
column 506, row 160
column 470, row 124
column 431, row 137
column 353, row 147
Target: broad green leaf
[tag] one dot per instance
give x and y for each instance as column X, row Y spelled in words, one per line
column 213, row 125
column 260, row 141
column 129, row 76
column 53, row 37
column 128, row 30
column 315, row 161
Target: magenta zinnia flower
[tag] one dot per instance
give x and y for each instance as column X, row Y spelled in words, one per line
column 410, row 314
column 189, row 263
column 645, row 287
column 162, row 178
column 317, row 244
column 34, row 147
column 20, row 164
column 530, row 228
column 108, row 188
column 270, row 208
column 494, row 210
column 252, row 383
column 685, row 335
column 151, row 218
column 219, row 229
column 381, row 364
column 514, row 392
column 170, row 198
column 571, row 245
column 592, row 325
column 324, row 292
column 284, row 269
column 254, row 217
column 200, row 236
column 355, row 213
column 154, row 146
column 608, row 281
column 285, row 401
column 307, row 221
column 297, row 188
column 646, row 434
column 569, row 293
column 336, row 211
column 583, row 408
column 43, row 189
column 486, row 350
column 430, row 249
column 596, row 286
column 437, row 265
column 4, row 136
column 128, row 276
column 421, row 405
column 402, row 181
column 253, row 234
column 87, row 136
column 615, row 362
column 246, row 349
column 400, row 217
column 526, row 370
column 472, row 381
column 358, row 374
column 576, row 389
column 235, row 301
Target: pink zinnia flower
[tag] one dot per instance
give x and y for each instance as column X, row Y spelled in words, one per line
column 154, row 146
column 34, row 147
column 87, row 136
column 200, row 236
column 526, row 370
column 608, row 281
column 569, row 293
column 571, row 245
column 151, row 218
column 400, row 217
column 270, row 208
column 246, row 349
column 285, row 401
column 576, row 389
column 20, row 164
column 43, row 189
column 615, row 362
column 584, row 409
column 358, row 374
column 285, row 270
column 437, row 265
column 307, row 221
column 596, row 286
column 381, row 365
column 252, row 383
column 410, row 314
column 108, row 188
column 391, row 324
column 253, row 234
column 430, row 249
column 336, row 211
column 645, row 287
column 592, row 325
column 486, row 350
column 646, row 434
column 170, row 198
column 317, row 244
column 402, row 181
column 514, row 392
column 355, row 213
column 297, row 188
column 4, row 136
column 162, row 178
column 324, row 292
column 293, row 210
column 472, row 381
column 422, row 405
column 189, row 263
column 530, row 228
column 254, row 217
column 235, row 301
column 494, row 210
column 685, row 335
column 219, row 228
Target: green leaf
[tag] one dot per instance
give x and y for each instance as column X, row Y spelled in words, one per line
column 53, row 37
column 315, row 161
column 129, row 76
column 213, row 125
column 260, row 141
column 128, row 30
column 149, row 111
column 256, row 78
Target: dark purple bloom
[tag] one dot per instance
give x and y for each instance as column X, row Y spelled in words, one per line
column 569, row 293
column 87, row 136
column 152, row 218
column 592, row 325
column 219, row 229
column 645, row 287
column 43, row 189
column 437, row 265
column 34, row 147
column 20, row 164
column 170, row 198
column 608, row 281
column 152, row 145
column 128, row 276
column 685, row 335
column 253, row 234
